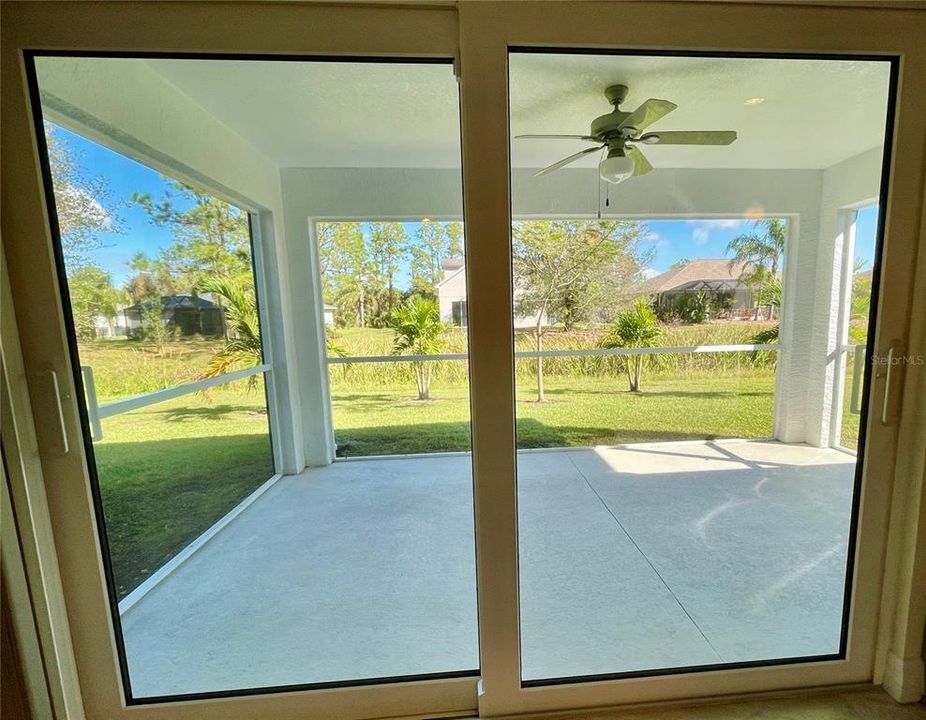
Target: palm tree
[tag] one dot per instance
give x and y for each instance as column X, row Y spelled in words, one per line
column 242, row 348
column 419, row 331
column 637, row 327
column 760, row 254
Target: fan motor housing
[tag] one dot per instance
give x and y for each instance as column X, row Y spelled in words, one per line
column 608, row 126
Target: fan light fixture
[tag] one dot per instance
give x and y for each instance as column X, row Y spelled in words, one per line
column 754, row 101
column 620, row 133
column 616, row 168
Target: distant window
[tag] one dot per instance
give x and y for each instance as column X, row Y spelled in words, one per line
column 458, row 312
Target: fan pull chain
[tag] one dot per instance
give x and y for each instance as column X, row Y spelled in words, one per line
column 600, row 158
column 607, row 195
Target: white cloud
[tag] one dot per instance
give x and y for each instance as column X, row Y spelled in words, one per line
column 647, row 273
column 724, row 224
column 700, row 235
column 656, row 239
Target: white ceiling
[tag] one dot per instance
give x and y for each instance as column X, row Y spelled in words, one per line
column 815, row 113
column 323, row 114
column 331, row 114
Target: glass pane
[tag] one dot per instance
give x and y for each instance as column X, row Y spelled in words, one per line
column 237, row 563
column 681, row 502
column 392, row 289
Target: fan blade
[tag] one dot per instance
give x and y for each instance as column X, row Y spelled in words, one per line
column 587, row 138
column 567, row 160
column 641, row 165
column 648, row 113
column 689, row 137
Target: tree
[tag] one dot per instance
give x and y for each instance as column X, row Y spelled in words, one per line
column 243, row 347
column 434, row 241
column 210, row 238
column 153, row 326
column 634, row 328
column 92, row 296
column 82, row 204
column 388, row 241
column 143, row 284
column 760, row 253
column 345, row 267
column 419, row 331
column 454, row 239
column 431, row 246
column 573, row 270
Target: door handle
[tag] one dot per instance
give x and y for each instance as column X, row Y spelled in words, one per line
column 887, row 418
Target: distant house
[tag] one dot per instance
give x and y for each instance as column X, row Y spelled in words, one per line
column 109, row 327
column 451, row 296
column 186, row 314
column 716, row 277
column 329, row 311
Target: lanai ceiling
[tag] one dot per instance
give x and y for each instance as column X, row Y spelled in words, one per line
column 323, row 114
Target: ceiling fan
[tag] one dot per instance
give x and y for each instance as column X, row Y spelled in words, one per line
column 620, row 133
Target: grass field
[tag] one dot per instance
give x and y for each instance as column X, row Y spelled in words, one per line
column 578, row 412
column 169, row 471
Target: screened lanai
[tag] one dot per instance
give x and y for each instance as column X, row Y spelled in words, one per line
column 713, row 506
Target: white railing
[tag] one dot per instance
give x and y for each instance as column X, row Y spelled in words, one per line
column 591, row 352
column 96, row 412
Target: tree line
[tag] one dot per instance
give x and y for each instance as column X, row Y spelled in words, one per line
column 361, row 262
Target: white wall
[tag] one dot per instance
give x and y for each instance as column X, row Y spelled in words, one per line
column 846, row 185
column 450, row 290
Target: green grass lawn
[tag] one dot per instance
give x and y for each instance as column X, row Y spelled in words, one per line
column 578, row 412
column 169, row 471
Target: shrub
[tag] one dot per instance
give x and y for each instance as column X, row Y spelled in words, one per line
column 692, row 308
column 634, row 328
column 419, row 331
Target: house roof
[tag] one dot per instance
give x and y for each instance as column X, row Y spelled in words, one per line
column 176, row 302
column 451, row 267
column 706, row 270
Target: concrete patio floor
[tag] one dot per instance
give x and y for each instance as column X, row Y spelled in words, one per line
column 632, row 558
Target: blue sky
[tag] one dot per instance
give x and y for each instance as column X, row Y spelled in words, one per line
column 123, row 177
column 672, row 240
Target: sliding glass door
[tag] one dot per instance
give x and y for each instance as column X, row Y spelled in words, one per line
column 683, row 517
column 227, row 574
column 687, row 510
column 508, row 358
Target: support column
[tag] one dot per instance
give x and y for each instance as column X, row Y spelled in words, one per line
column 307, row 322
